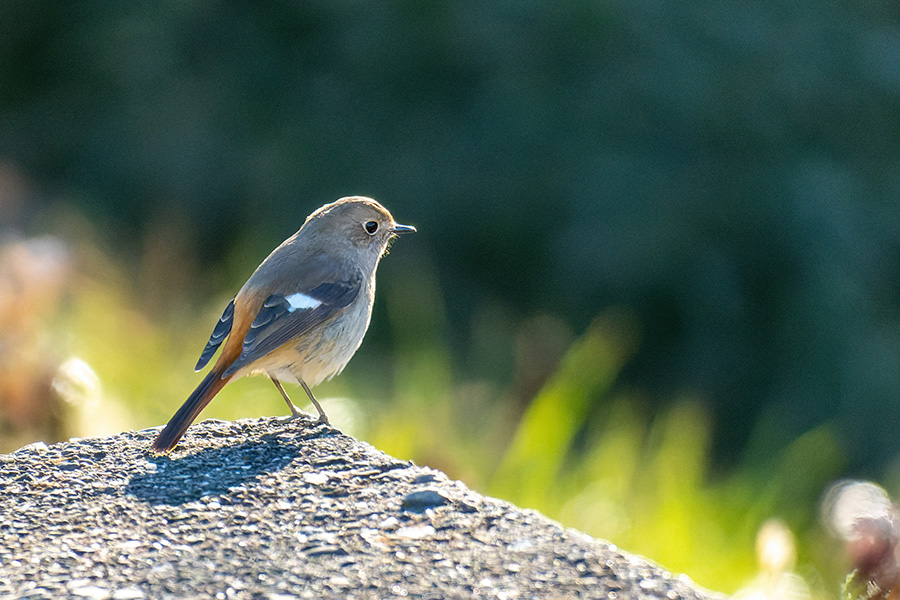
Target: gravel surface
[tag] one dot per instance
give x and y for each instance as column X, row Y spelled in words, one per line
column 275, row 509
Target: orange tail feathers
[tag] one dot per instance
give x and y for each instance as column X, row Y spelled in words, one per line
column 196, row 402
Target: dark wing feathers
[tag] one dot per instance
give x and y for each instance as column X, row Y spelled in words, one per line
column 220, row 332
column 340, row 293
column 277, row 322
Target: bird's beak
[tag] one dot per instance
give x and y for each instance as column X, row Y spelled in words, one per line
column 397, row 228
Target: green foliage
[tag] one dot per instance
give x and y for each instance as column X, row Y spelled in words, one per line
column 545, row 435
column 644, row 481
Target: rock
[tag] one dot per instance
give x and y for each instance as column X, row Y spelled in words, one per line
column 267, row 508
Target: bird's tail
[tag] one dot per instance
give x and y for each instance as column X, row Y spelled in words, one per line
column 197, row 401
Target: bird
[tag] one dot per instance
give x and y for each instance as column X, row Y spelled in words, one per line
column 302, row 314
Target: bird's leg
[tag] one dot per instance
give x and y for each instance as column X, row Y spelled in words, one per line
column 295, row 412
column 323, row 418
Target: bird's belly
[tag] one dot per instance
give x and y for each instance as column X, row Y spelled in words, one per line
column 318, row 357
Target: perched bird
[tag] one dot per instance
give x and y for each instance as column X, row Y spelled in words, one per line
column 304, row 311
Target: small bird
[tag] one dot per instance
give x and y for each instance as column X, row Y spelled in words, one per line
column 303, row 313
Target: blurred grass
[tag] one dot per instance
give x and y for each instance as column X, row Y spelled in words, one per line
column 640, row 478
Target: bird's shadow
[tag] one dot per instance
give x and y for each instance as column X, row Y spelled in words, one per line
column 214, row 471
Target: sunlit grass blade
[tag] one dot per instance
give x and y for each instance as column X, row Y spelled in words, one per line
column 529, row 469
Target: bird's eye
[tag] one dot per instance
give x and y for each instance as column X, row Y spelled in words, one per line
column 371, row 227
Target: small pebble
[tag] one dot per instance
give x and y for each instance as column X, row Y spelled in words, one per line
column 92, row 592
column 389, row 523
column 415, row 532
column 421, row 500
column 130, row 593
column 316, row 478
column 33, row 447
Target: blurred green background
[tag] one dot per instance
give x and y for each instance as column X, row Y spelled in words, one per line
column 656, row 288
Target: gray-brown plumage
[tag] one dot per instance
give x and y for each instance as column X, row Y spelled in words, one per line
column 303, row 313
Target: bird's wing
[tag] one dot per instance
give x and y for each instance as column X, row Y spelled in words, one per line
column 220, row 332
column 286, row 316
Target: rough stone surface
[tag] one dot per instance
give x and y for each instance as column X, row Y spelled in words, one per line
column 275, row 509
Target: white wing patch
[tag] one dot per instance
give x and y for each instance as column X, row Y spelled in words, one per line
column 300, row 301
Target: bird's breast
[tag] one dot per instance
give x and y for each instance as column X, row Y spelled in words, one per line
column 321, row 353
